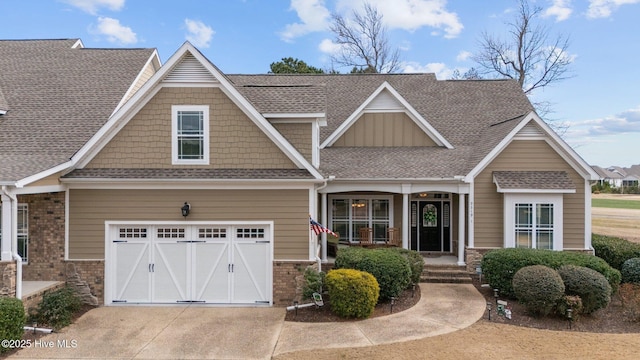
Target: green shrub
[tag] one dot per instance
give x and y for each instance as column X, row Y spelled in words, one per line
column 631, row 271
column 12, row 319
column 590, row 285
column 391, row 270
column 539, row 288
column 313, row 282
column 572, row 302
column 416, row 262
column 57, row 307
column 499, row 266
column 352, row 293
column 615, row 251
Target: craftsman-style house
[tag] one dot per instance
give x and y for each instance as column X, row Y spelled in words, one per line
column 180, row 184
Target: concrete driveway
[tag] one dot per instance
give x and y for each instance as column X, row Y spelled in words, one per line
column 196, row 332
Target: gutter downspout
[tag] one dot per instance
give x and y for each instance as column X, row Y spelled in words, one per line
column 14, row 241
column 323, row 244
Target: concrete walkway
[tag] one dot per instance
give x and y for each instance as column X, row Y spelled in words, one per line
column 196, row 332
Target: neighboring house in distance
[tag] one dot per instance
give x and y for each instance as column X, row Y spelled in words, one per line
column 617, row 176
column 187, row 185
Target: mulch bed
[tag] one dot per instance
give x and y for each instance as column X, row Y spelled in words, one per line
column 609, row 320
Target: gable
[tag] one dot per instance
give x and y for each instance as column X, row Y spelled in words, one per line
column 235, row 141
column 384, row 129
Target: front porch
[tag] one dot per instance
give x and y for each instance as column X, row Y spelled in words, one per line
column 433, row 221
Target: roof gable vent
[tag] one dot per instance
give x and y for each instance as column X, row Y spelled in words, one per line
column 384, row 101
column 189, row 70
column 530, row 130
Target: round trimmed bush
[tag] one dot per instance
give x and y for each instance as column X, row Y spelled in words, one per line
column 352, row 293
column 590, row 285
column 631, row 271
column 391, row 270
column 11, row 320
column 539, row 288
column 416, row 262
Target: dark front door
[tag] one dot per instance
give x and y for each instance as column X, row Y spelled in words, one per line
column 430, row 226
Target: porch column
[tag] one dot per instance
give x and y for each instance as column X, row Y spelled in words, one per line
column 6, row 228
column 323, row 220
column 461, row 229
column 405, row 221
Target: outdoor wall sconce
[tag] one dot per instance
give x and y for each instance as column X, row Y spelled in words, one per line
column 186, row 208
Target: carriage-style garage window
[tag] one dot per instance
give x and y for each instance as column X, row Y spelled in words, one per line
column 190, row 134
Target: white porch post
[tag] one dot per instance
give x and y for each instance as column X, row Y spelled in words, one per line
column 323, row 214
column 7, row 225
column 405, row 221
column 461, row 229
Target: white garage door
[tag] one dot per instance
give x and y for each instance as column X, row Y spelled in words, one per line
column 194, row 263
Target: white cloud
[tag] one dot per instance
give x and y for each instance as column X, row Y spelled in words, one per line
column 115, row 32
column 92, row 6
column 411, row 15
column 329, row 47
column 440, row 69
column 625, row 122
column 199, row 34
column 313, row 15
column 561, row 9
column 604, row 8
column 463, row 56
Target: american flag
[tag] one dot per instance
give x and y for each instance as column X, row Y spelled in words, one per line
column 318, row 228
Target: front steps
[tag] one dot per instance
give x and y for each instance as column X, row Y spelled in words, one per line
column 445, row 273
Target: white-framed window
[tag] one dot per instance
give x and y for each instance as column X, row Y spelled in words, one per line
column 349, row 213
column 190, row 134
column 533, row 221
column 23, row 231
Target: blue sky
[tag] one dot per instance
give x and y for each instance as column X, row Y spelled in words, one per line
column 600, row 103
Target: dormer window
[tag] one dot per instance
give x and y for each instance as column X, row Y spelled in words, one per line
column 190, row 132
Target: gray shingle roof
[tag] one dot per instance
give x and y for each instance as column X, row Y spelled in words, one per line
column 190, row 174
column 474, row 116
column 539, row 180
column 58, row 97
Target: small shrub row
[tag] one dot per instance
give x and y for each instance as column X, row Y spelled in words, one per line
column 390, row 268
column 615, row 251
column 542, row 289
column 352, row 293
column 500, row 265
column 12, row 320
column 57, row 308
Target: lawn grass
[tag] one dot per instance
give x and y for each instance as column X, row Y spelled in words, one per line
column 616, row 204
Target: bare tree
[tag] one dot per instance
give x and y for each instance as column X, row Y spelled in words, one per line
column 364, row 42
column 528, row 55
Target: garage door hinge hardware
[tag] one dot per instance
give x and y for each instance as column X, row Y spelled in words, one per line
column 118, row 301
column 262, row 241
column 262, row 302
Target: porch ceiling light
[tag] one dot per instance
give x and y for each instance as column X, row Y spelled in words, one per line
column 423, row 195
column 186, row 208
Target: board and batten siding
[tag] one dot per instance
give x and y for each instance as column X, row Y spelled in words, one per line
column 525, row 155
column 384, row 129
column 89, row 209
column 236, row 142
